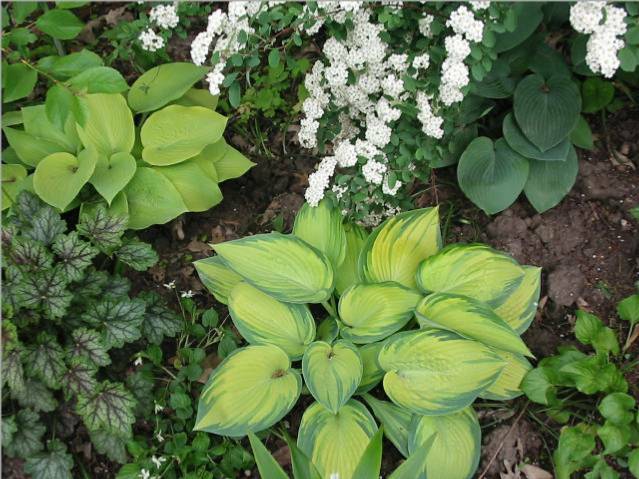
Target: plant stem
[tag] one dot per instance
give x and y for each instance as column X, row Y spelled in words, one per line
column 329, row 309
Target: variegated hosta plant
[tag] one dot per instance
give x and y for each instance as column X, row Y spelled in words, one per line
column 437, row 327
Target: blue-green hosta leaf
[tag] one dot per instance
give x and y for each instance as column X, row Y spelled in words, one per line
column 519, row 309
column 473, row 270
column 549, row 182
column 456, row 449
column 79, row 378
column 546, row 110
column 74, row 255
column 102, row 229
column 522, row 145
column 45, row 360
column 159, row 320
column 507, row 384
column 260, row 379
column 372, row 372
column 322, row 228
column 198, row 190
column 120, row 320
column 45, row 225
column 137, row 254
column 372, row 312
column 332, row 372
column 471, row 319
column 29, row 254
column 12, row 370
column 35, row 395
column 89, row 344
column 109, row 407
column 396, row 422
column 176, row 133
column 112, row 173
column 57, row 463
column 218, row 278
column 261, row 319
column 26, row 441
column 346, row 274
column 283, row 266
column 396, row 247
column 109, row 127
column 111, row 445
column 436, row 372
column 335, row 443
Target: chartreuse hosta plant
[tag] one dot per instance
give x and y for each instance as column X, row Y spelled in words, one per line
column 166, row 161
column 437, row 327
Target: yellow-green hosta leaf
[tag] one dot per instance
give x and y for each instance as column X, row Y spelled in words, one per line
column 109, row 126
column 436, row 372
column 252, row 389
column 198, row 97
column 473, row 270
column 321, row 227
column 372, row 372
column 346, row 274
column 456, row 448
column 262, row 319
column 30, row 149
column 199, row 192
column 12, row 177
column 519, row 309
column 335, row 443
column 396, row 422
column 232, row 164
column 506, row 386
column 218, row 278
column 59, row 177
column 395, row 248
column 327, row 330
column 371, row 312
column 283, row 266
column 469, row 318
column 112, row 174
column 332, row 372
column 176, row 133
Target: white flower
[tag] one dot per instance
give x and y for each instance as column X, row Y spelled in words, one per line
column 334, row 475
column 345, row 154
column 215, row 22
column 187, row 294
column 158, row 461
column 144, row 474
column 150, row 40
column 424, row 25
column 165, row 16
column 339, row 191
column 215, row 79
column 421, row 61
column 479, row 4
column 585, row 17
column 319, row 180
column 456, row 47
column 388, row 190
column 138, row 361
column 200, row 47
column 393, row 86
column 463, row 22
column 170, row 285
column 159, row 436
column 157, row 407
column 373, row 172
column 431, row 124
column 377, row 132
column 307, row 134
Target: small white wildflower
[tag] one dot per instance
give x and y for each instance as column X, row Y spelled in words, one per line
column 159, row 436
column 345, row 154
column 158, row 461
column 421, row 62
column 165, row 16
column 463, row 22
column 387, row 190
column 373, row 172
column 170, row 285
column 215, row 79
column 424, row 25
column 138, row 361
column 339, row 191
column 157, row 407
column 150, row 40
column 187, row 294
column 144, row 474
column 478, row 5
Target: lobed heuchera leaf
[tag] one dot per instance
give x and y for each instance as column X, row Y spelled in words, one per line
column 111, row 445
column 89, row 344
column 74, row 255
column 120, row 320
column 57, row 463
column 36, row 396
column 79, row 377
column 45, row 225
column 159, row 320
column 29, row 255
column 102, row 229
column 138, row 255
column 25, row 208
column 46, row 290
column 9, row 428
column 12, row 370
column 116, row 287
column 26, row 440
column 45, row 360
column 109, row 407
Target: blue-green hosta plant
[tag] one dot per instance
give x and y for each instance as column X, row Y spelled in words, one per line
column 65, row 321
column 333, row 311
column 153, row 155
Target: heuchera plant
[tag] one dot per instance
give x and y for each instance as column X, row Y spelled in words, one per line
column 167, row 164
column 437, row 327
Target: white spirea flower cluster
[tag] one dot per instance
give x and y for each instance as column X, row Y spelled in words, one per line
column 150, row 40
column 165, row 16
column 604, row 23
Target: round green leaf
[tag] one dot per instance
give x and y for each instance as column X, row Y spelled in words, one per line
column 396, row 247
column 492, row 177
column 59, row 177
column 261, row 319
column 618, row 408
column 332, row 372
column 251, row 390
column 546, row 110
column 335, row 443
column 283, row 266
column 199, row 192
column 436, row 372
column 109, row 126
column 506, row 387
column 152, row 199
column 177, row 133
column 518, row 142
column 470, row 319
column 371, row 312
column 112, row 174
column 163, row 84
column 549, row 181
column 456, row 448
column 60, row 24
column 12, row 176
